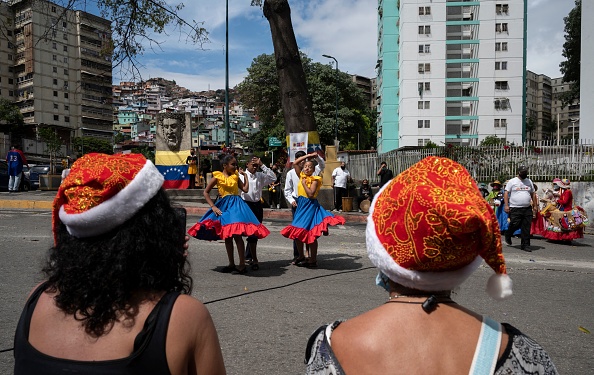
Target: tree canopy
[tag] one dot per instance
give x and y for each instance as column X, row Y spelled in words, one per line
column 260, row 91
column 572, row 53
column 10, row 114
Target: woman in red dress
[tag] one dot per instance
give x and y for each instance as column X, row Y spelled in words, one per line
column 565, row 223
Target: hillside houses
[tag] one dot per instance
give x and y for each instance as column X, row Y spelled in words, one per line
column 135, row 105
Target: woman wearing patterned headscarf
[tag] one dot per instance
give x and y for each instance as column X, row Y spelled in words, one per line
column 566, row 222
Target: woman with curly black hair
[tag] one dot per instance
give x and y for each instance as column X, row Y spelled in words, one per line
column 117, row 295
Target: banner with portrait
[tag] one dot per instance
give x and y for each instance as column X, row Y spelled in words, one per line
column 307, row 142
column 173, row 143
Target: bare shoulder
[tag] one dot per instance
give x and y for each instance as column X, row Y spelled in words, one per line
column 188, row 309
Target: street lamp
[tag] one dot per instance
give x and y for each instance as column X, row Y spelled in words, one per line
column 227, row 74
column 336, row 109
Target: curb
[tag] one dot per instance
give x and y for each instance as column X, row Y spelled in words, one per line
column 284, row 214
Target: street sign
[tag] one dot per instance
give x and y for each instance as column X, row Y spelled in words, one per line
column 273, row 142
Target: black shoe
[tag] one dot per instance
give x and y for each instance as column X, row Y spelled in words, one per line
column 242, row 271
column 228, row 269
column 527, row 249
column 508, row 241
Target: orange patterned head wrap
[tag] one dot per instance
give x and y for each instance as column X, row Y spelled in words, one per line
column 102, row 192
column 430, row 228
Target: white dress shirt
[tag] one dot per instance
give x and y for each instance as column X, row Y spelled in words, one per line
column 256, row 182
column 340, row 177
column 292, row 181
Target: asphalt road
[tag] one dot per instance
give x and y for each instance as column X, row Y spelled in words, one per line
column 265, row 317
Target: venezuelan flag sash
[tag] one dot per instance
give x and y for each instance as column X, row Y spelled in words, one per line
column 172, row 165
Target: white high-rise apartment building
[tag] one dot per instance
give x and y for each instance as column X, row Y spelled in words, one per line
column 450, row 72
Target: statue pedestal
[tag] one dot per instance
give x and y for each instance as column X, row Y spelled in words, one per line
column 331, row 164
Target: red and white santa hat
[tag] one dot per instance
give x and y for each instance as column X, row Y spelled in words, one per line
column 104, row 191
column 430, row 228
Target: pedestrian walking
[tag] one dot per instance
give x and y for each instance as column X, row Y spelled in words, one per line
column 192, row 162
column 521, row 203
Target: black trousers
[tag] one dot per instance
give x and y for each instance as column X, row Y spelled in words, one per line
column 520, row 217
column 339, row 192
column 256, row 208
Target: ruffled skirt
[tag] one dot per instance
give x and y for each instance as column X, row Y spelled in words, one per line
column 564, row 225
column 310, row 221
column 237, row 219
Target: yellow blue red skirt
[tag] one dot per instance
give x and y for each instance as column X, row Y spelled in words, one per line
column 310, row 221
column 237, row 219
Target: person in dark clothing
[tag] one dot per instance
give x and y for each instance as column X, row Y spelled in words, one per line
column 192, row 162
column 385, row 174
column 112, row 301
column 365, row 193
column 15, row 160
column 274, row 189
column 205, row 168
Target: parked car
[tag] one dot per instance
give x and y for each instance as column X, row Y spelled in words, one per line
column 26, row 169
column 25, row 182
column 41, row 169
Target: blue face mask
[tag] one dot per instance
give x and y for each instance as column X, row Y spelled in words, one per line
column 382, row 281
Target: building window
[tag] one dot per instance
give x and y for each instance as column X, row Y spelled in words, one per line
column 500, row 46
column 424, row 11
column 501, row 85
column 54, row 57
column 11, row 81
column 9, row 56
column 66, row 119
column 65, row 36
column 424, row 30
column 501, row 28
column 501, row 104
column 424, row 124
column 66, row 107
column 65, row 48
column 56, row 117
column 424, row 86
column 55, row 105
column 425, row 68
column 500, row 123
column 66, row 59
column 424, row 48
column 65, row 72
column 502, row 9
column 53, row 9
column 500, row 65
column 65, row 95
column 55, row 69
column 10, row 93
column 55, row 93
column 64, row 24
column 54, row 46
column 55, row 81
column 423, row 104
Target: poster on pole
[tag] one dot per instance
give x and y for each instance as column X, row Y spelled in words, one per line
column 297, row 142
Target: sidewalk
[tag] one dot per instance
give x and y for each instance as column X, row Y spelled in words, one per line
column 42, row 200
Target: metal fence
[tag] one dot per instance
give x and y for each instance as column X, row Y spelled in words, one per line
column 545, row 160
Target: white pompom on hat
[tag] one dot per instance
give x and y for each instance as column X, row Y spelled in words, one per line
column 430, row 228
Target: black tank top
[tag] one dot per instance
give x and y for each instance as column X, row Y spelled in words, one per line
column 148, row 357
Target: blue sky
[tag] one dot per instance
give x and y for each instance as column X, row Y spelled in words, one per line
column 345, row 29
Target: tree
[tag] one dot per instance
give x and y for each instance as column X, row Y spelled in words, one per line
column 92, row 144
column 296, row 103
column 530, row 127
column 11, row 119
column 260, row 90
column 134, row 24
column 53, row 144
column 492, row 140
column 572, row 53
column 549, row 129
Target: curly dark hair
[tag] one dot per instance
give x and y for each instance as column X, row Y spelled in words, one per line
column 98, row 279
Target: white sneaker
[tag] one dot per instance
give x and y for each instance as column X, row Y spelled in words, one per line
column 335, row 210
column 339, row 210
column 359, row 210
column 278, row 206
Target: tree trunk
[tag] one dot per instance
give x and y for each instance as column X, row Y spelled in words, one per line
column 295, row 101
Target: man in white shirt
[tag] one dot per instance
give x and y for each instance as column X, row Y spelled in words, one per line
column 292, row 181
column 521, row 203
column 340, row 177
column 253, row 198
